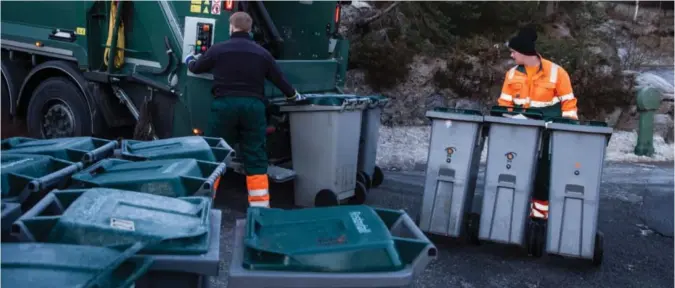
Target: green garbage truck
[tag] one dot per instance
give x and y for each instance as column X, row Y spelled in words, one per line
column 113, row 69
column 82, row 68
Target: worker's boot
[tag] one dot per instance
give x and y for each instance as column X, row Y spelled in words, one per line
column 258, row 190
column 539, row 209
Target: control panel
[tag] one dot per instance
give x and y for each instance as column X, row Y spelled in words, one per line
column 198, row 36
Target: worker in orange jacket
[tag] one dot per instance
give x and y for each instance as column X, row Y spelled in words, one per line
column 537, row 84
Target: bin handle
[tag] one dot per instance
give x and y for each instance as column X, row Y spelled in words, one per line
column 428, row 253
column 211, row 183
column 50, row 180
column 138, row 271
column 99, row 153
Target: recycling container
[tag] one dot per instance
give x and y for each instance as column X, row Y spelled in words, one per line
column 577, row 159
column 325, row 131
column 26, row 178
column 370, row 173
column 10, row 213
column 197, row 147
column 110, row 217
column 50, row 265
column 346, row 246
column 73, row 149
column 180, row 235
column 455, row 148
column 169, row 177
column 513, row 147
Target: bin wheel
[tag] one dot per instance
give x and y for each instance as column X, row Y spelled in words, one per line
column 378, row 177
column 326, row 198
column 536, row 235
column 359, row 194
column 598, row 249
column 473, row 225
column 364, row 178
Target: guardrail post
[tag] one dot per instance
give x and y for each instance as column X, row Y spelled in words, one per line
column 648, row 101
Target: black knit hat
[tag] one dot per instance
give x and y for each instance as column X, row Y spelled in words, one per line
column 524, row 41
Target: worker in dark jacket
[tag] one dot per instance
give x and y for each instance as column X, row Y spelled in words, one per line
column 240, row 67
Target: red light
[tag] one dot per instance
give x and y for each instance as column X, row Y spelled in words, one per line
column 203, row 48
column 229, row 4
column 337, row 13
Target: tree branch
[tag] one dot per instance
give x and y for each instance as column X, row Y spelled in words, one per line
column 377, row 15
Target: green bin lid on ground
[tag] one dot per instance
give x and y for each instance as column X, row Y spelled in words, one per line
column 196, row 147
column 31, row 171
column 112, row 218
column 170, row 177
column 331, row 239
column 73, row 149
column 38, row 265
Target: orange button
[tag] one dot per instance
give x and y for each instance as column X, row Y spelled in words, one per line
column 206, row 27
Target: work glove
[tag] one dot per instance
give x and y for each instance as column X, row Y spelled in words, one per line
column 192, row 57
column 296, row 97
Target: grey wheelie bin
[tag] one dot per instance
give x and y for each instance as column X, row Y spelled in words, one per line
column 26, row 178
column 513, row 148
column 325, row 131
column 73, row 149
column 455, row 148
column 577, row 159
column 168, row 177
column 369, row 172
column 341, row 247
column 180, row 235
column 208, row 149
column 49, row 265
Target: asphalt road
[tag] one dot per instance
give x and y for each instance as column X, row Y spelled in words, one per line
column 635, row 255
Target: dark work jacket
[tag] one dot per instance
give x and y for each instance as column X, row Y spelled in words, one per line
column 240, row 67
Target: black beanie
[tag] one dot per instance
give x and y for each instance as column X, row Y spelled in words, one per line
column 524, row 41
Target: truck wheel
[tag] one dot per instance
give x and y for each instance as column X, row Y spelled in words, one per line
column 58, row 109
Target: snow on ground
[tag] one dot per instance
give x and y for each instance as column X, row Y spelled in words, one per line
column 404, row 147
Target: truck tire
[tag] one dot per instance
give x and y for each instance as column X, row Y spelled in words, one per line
column 58, row 109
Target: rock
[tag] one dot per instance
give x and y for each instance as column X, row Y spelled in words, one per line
column 467, row 104
column 663, row 126
column 558, row 31
column 435, row 101
column 613, row 117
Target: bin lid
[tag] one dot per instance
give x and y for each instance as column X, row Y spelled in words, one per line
column 330, row 239
column 24, row 166
column 69, row 149
column 593, row 127
column 195, row 147
column 159, row 177
column 455, row 114
column 111, row 217
column 47, row 265
column 326, row 102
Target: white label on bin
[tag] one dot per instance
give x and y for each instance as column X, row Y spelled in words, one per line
column 448, row 123
column 358, row 222
column 122, row 224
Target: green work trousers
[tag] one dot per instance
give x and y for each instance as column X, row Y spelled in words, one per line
column 242, row 120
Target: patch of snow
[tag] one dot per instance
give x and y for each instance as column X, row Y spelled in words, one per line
column 650, row 80
column 361, row 4
column 403, row 148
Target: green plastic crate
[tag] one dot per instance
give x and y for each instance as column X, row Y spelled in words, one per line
column 42, row 265
column 111, row 217
column 332, row 239
column 172, row 178
column 73, row 149
column 208, row 149
column 27, row 178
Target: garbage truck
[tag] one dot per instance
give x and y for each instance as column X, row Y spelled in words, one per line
column 114, row 69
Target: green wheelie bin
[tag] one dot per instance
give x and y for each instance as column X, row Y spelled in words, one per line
column 73, row 149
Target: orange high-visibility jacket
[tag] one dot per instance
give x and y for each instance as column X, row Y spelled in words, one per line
column 548, row 90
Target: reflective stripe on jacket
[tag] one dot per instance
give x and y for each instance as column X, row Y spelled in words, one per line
column 549, row 88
